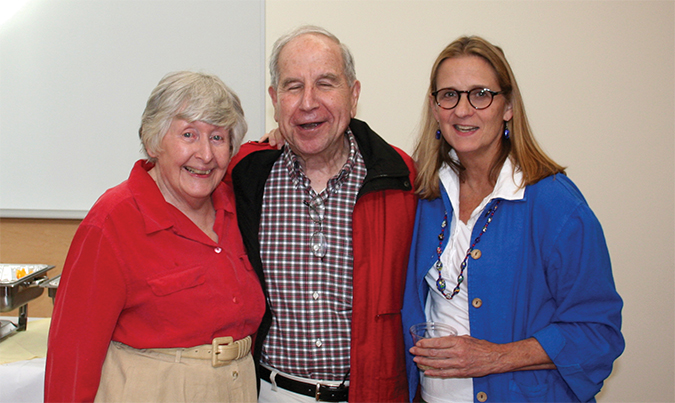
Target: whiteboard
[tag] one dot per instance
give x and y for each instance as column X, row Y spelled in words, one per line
column 74, row 79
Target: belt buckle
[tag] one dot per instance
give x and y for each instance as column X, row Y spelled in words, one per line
column 219, row 341
column 330, row 389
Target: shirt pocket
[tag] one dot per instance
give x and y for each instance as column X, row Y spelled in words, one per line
column 177, row 280
column 243, row 260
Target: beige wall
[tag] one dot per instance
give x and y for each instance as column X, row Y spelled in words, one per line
column 598, row 82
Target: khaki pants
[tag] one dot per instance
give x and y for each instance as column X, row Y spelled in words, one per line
column 131, row 375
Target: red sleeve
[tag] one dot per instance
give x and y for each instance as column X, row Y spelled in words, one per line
column 89, row 300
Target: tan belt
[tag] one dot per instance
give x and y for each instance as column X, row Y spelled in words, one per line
column 221, row 351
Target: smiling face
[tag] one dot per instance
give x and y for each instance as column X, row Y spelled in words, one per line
column 191, row 162
column 474, row 134
column 313, row 102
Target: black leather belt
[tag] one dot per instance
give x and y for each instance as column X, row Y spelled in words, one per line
column 322, row 393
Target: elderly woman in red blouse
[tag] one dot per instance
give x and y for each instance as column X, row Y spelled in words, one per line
column 157, row 300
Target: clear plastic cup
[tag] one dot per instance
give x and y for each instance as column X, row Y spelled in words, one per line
column 428, row 330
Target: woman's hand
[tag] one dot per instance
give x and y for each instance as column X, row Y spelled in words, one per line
column 275, row 138
column 468, row 357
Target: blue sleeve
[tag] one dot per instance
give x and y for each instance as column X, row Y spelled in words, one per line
column 422, row 252
column 412, row 311
column 584, row 337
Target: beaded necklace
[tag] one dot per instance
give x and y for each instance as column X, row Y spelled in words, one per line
column 440, row 283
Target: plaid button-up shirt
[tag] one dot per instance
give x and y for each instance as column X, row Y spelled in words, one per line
column 311, row 297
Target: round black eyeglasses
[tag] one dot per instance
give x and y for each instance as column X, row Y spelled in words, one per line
column 479, row 98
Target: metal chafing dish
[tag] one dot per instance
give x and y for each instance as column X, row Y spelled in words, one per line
column 51, row 285
column 19, row 284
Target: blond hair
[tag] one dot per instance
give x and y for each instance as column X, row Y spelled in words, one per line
column 521, row 146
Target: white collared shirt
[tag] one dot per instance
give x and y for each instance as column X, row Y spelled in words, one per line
column 455, row 312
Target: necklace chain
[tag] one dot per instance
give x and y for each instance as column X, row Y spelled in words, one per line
column 440, row 283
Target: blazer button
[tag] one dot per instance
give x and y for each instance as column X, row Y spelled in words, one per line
column 477, row 302
column 481, row 396
column 476, row 254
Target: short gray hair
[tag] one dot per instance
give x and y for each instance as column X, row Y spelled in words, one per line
column 347, row 57
column 192, row 97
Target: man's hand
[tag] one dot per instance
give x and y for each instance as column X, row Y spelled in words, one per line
column 275, row 138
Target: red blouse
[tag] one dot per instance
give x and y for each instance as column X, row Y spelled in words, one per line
column 141, row 273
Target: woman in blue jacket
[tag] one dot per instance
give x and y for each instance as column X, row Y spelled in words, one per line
column 505, row 249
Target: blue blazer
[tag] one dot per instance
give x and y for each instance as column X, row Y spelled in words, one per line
column 544, row 272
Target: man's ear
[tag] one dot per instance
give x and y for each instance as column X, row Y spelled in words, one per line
column 356, row 91
column 273, row 94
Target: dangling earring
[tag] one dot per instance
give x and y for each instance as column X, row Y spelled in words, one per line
column 438, row 134
column 506, row 131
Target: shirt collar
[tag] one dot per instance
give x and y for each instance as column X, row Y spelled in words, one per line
column 508, row 183
column 157, row 213
column 507, row 186
column 301, row 181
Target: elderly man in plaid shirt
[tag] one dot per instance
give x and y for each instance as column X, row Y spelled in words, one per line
column 327, row 222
